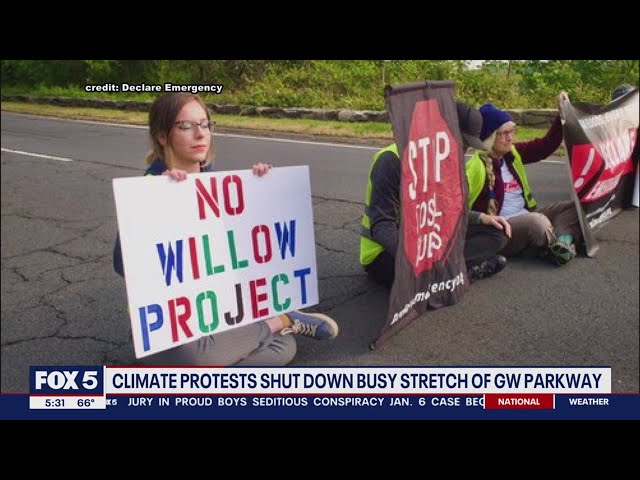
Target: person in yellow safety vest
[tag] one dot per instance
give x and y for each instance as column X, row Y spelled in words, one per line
column 498, row 185
column 486, row 234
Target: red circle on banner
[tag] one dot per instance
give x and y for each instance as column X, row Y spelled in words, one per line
column 432, row 195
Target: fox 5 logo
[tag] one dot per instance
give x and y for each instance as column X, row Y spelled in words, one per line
column 67, row 380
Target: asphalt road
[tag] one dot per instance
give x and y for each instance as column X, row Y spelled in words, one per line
column 62, row 303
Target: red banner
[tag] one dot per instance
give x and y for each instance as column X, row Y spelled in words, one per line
column 430, row 270
column 601, row 143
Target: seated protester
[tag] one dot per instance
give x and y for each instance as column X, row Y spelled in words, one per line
column 180, row 130
column 498, row 185
column 486, row 235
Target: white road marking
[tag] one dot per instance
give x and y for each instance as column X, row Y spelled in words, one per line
column 39, row 155
column 230, row 135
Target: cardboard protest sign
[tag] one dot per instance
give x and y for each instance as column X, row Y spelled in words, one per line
column 214, row 252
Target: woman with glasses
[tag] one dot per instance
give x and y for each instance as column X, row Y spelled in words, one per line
column 180, row 128
column 498, row 185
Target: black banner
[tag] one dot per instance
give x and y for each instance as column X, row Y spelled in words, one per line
column 599, row 141
column 430, row 270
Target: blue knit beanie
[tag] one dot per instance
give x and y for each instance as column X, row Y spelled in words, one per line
column 492, row 119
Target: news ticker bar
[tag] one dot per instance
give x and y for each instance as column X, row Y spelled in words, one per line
column 327, row 407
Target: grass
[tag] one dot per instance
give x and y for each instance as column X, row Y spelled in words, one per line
column 377, row 133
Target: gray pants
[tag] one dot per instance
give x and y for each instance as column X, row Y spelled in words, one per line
column 540, row 228
column 251, row 345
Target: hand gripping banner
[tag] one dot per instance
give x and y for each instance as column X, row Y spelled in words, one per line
column 601, row 144
column 430, row 270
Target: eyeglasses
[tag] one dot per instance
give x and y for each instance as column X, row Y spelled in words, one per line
column 504, row 133
column 188, row 124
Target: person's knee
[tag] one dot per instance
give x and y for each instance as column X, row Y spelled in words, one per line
column 540, row 229
column 501, row 241
column 494, row 240
column 497, row 238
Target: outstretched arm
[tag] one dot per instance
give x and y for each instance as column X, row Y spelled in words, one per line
column 541, row 148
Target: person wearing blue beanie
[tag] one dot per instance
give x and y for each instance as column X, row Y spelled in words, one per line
column 492, row 119
column 498, row 185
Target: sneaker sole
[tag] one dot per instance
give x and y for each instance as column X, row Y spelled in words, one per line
column 330, row 321
column 561, row 254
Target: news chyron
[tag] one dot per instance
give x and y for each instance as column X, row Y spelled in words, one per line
column 66, row 388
